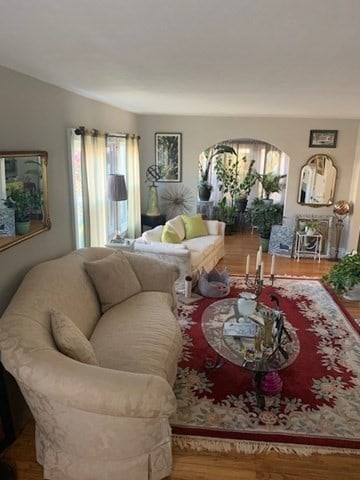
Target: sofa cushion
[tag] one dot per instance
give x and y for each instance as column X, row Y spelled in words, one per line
column 153, row 235
column 178, row 226
column 140, row 336
column 70, row 340
column 204, row 244
column 169, row 235
column 194, row 226
column 113, row 278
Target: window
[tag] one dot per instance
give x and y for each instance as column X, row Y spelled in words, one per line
column 93, row 158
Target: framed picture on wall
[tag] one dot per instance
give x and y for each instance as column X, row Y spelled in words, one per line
column 323, row 138
column 168, row 153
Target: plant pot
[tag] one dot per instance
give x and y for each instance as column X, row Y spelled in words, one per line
column 204, row 194
column 241, row 204
column 353, row 293
column 229, row 228
column 264, row 242
column 22, row 228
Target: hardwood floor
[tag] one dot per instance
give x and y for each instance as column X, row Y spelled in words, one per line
column 204, row 466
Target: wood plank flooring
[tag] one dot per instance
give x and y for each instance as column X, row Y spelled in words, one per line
column 205, row 466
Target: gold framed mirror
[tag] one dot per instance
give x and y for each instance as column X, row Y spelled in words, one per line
column 24, row 209
column 317, row 182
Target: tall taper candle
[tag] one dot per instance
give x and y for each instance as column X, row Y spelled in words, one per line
column 272, row 271
column 247, row 264
column 257, row 260
column 262, row 271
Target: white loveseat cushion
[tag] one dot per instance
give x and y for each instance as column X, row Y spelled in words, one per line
column 113, row 278
column 70, row 340
column 203, row 244
column 140, row 336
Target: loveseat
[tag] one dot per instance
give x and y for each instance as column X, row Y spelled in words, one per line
column 190, row 253
column 93, row 342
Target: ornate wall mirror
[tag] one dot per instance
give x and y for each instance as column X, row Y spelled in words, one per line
column 317, row 182
column 24, row 210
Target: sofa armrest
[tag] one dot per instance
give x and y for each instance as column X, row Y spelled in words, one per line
column 220, row 230
column 96, row 389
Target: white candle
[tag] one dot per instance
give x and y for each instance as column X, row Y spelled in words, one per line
column 260, row 250
column 247, row 265
column 262, row 271
column 257, row 260
column 272, row 271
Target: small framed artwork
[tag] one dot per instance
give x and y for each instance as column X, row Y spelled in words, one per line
column 168, row 156
column 282, row 240
column 323, row 138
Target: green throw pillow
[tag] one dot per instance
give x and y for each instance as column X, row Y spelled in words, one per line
column 194, row 226
column 169, row 235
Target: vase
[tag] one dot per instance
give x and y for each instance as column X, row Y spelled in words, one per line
column 353, row 293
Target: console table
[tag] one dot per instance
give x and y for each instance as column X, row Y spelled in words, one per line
column 152, row 220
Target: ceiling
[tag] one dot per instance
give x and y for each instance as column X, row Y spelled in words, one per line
column 193, row 57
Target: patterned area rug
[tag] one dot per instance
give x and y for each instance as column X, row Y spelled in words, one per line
column 318, row 409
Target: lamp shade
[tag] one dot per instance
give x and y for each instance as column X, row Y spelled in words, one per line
column 117, row 188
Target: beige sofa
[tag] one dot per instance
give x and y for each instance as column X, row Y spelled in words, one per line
column 190, row 255
column 107, row 420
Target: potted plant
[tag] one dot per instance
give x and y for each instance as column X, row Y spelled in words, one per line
column 204, row 186
column 270, row 182
column 311, row 226
column 230, row 178
column 243, row 189
column 227, row 213
column 23, row 202
column 344, row 277
column 263, row 216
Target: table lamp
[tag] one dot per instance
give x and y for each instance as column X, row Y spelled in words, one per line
column 117, row 192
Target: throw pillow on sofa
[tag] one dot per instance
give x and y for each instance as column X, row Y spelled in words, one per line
column 194, row 226
column 169, row 235
column 178, row 226
column 113, row 278
column 70, row 340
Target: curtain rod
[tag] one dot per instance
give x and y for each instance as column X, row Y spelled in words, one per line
column 82, row 131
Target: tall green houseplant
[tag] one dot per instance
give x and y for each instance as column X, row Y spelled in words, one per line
column 230, row 177
column 204, row 186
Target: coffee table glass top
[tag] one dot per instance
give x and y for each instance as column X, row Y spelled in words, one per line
column 241, row 350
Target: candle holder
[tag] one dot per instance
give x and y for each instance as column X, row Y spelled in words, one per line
column 256, row 284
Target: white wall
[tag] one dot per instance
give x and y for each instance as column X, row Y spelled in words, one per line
column 289, row 134
column 34, row 116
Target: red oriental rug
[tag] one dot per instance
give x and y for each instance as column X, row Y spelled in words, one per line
column 318, row 409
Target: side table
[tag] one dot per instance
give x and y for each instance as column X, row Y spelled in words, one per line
column 126, row 244
column 308, row 245
column 152, row 220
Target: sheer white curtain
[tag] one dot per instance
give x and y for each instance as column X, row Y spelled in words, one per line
column 89, row 187
column 133, row 185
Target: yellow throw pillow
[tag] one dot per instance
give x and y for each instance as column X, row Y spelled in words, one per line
column 194, row 226
column 169, row 235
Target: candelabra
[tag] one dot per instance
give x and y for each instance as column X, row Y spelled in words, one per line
column 256, row 283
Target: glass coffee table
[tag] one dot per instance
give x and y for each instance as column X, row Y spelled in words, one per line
column 223, row 329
